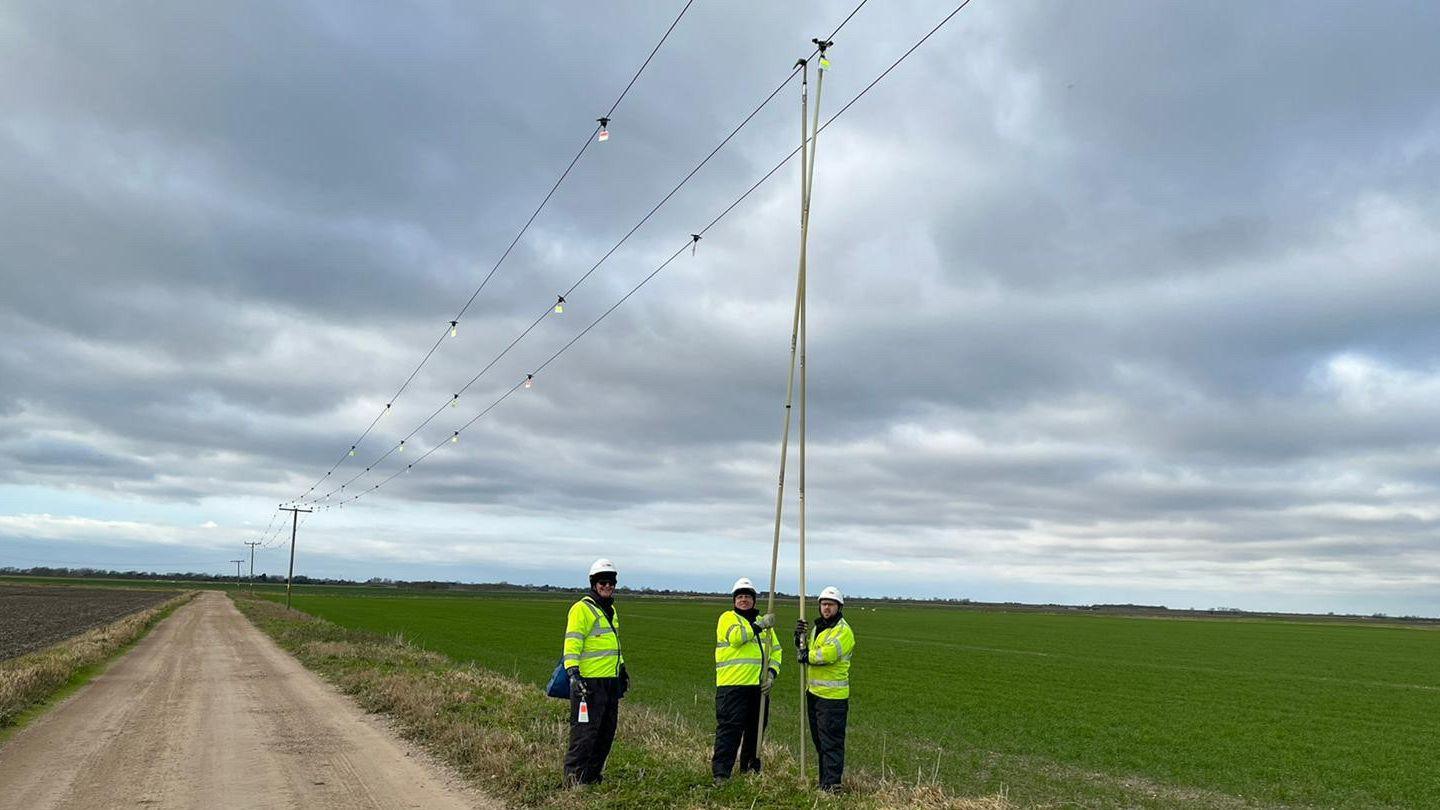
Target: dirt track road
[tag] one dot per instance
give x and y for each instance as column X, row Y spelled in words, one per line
column 207, row 712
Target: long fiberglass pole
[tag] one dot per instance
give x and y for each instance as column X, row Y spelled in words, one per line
column 804, row 361
column 804, row 357
column 804, row 292
column 789, row 396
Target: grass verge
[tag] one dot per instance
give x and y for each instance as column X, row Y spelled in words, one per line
column 32, row 682
column 509, row 738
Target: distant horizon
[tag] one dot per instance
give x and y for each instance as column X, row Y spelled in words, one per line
column 959, row 601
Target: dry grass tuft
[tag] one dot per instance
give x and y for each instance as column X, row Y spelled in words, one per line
column 31, row 678
column 400, row 656
column 890, row 795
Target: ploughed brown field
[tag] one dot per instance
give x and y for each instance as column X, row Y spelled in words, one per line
column 35, row 617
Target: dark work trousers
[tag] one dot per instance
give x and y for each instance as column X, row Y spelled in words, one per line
column 590, row 742
column 827, row 731
column 737, row 708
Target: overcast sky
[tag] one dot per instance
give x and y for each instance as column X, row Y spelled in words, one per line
column 1109, row 302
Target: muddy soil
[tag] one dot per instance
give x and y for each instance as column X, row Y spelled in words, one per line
column 35, row 617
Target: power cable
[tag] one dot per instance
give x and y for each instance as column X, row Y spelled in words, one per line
column 616, row 105
column 276, row 536
column 789, row 78
column 795, row 71
column 693, row 238
column 266, row 533
column 279, row 538
column 453, row 323
column 581, row 280
column 569, row 292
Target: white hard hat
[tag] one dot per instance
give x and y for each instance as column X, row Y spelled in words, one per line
column 833, row 594
column 602, row 566
column 743, row 584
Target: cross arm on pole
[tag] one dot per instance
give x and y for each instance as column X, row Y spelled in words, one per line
column 294, row 527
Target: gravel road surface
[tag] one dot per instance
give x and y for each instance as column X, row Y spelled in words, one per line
column 207, row 712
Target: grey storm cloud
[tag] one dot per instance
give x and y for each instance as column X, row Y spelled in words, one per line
column 1138, row 292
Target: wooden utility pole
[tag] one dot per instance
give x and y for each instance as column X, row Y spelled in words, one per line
column 294, row 527
column 238, row 563
column 252, row 544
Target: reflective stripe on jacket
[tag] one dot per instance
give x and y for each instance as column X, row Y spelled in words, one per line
column 739, row 654
column 830, row 651
column 592, row 642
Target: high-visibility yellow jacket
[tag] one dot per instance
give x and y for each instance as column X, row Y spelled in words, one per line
column 592, row 642
column 830, row 651
column 740, row 655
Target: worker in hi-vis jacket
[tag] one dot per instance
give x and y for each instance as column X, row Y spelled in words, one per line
column 747, row 660
column 597, row 677
column 827, row 648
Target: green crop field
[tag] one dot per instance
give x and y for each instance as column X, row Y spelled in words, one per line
column 1050, row 708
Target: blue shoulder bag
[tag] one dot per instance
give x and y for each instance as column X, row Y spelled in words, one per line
column 559, row 682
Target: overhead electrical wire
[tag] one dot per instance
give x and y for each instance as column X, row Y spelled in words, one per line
column 270, row 537
column 643, row 65
column 602, row 122
column 274, row 538
column 647, row 279
column 265, row 534
column 450, row 328
column 279, row 537
column 795, row 71
column 562, row 298
column 569, row 292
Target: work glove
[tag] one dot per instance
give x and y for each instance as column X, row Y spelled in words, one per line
column 767, row 682
column 803, row 654
column 765, row 622
column 802, row 632
column 577, row 683
column 624, row 680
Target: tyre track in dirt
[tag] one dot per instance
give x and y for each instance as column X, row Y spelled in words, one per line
column 208, row 712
